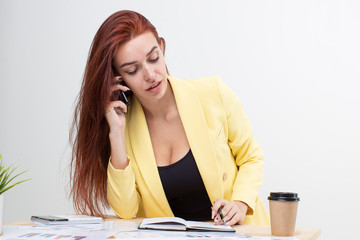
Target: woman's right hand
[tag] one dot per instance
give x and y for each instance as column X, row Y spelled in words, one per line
column 114, row 112
column 115, row 116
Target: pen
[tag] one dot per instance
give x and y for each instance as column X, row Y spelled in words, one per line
column 221, row 215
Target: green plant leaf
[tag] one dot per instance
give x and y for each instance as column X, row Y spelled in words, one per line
column 11, row 186
column 6, row 177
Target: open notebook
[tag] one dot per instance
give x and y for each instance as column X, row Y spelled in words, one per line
column 179, row 224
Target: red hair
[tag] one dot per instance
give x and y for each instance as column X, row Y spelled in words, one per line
column 91, row 145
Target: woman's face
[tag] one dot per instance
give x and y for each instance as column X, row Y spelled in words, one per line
column 141, row 64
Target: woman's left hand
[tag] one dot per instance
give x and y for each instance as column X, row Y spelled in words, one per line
column 234, row 212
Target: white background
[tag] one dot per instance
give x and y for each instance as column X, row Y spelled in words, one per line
column 295, row 66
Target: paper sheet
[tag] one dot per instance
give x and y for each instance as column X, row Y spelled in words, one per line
column 114, row 230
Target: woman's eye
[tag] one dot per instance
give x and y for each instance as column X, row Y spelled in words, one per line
column 154, row 59
column 131, row 72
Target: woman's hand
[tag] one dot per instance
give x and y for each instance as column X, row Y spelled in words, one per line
column 234, row 212
column 114, row 114
column 114, row 111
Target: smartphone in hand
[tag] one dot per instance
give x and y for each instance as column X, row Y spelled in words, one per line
column 123, row 97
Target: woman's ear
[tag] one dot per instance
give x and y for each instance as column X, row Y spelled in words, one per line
column 162, row 45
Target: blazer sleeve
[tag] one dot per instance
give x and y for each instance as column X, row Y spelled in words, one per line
column 246, row 151
column 122, row 194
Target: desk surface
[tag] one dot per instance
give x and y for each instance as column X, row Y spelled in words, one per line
column 255, row 230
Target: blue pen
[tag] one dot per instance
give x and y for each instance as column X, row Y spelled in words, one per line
column 221, row 215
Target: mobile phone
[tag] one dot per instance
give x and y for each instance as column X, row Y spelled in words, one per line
column 49, row 218
column 123, row 97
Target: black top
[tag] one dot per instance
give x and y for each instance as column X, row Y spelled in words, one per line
column 185, row 190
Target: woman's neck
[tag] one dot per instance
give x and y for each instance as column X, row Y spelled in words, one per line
column 164, row 108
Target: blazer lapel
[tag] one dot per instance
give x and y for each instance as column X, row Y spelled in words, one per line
column 141, row 147
column 194, row 122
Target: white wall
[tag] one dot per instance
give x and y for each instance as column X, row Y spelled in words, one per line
column 294, row 64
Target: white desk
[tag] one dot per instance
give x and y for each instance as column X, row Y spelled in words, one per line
column 254, row 230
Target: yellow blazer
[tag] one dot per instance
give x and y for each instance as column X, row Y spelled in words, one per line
column 230, row 161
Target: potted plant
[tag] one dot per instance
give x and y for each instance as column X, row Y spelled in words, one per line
column 7, row 176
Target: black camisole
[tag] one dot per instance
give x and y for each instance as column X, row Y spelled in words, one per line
column 185, row 190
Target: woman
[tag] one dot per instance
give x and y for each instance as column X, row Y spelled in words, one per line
column 182, row 148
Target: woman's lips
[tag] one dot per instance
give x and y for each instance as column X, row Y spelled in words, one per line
column 155, row 87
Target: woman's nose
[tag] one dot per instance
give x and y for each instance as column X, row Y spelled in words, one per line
column 149, row 74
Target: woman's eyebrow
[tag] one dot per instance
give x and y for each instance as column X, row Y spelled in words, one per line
column 129, row 63
column 152, row 49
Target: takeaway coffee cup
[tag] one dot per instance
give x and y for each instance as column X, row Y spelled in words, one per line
column 283, row 210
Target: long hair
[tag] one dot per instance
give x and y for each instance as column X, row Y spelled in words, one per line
column 89, row 133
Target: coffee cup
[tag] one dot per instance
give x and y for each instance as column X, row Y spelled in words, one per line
column 283, row 211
